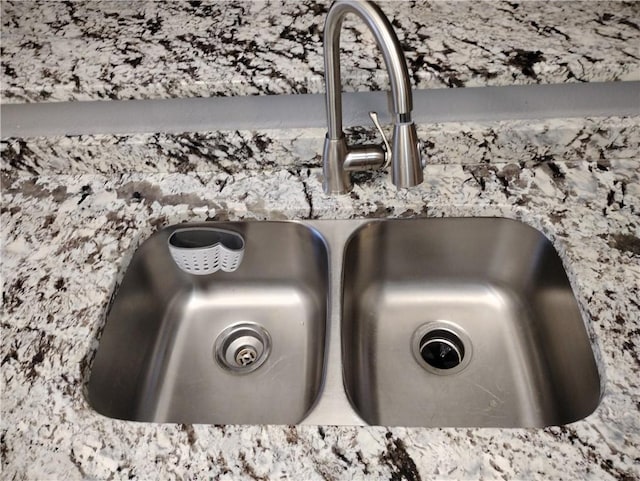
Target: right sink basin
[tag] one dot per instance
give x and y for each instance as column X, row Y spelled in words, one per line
column 464, row 322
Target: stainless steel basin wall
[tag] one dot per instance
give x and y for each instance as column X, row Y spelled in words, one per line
column 157, row 362
column 340, row 322
column 499, row 284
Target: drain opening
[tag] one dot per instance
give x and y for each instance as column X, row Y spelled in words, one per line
column 242, row 348
column 441, row 349
column 246, row 356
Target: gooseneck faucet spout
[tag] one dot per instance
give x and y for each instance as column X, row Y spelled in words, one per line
column 338, row 158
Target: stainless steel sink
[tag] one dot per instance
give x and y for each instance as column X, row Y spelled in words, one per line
column 423, row 322
column 172, row 347
column 462, row 322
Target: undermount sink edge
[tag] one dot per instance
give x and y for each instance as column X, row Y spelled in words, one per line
column 342, row 301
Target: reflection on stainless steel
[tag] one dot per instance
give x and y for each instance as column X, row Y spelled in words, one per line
column 157, row 361
column 532, row 363
column 324, row 322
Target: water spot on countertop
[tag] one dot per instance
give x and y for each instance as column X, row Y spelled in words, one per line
column 190, row 432
column 60, row 284
column 398, row 460
column 557, row 216
column 84, row 193
column 11, row 298
column 339, row 453
column 362, row 461
column 31, row 188
column 524, row 60
column 248, row 469
column 380, row 211
column 13, row 210
column 138, row 191
column 510, row 173
column 629, row 23
column 48, row 221
column 292, row 435
column 43, row 347
column 625, row 243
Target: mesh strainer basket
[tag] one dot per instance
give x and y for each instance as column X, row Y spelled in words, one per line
column 205, row 250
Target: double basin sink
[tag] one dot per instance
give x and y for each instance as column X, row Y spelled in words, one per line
column 457, row 322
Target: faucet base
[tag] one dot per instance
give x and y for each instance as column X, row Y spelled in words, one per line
column 340, row 159
column 335, row 179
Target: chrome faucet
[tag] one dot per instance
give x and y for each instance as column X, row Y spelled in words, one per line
column 339, row 159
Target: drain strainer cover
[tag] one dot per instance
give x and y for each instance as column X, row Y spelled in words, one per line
column 242, row 348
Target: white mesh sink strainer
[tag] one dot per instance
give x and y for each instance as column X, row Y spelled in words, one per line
column 205, row 250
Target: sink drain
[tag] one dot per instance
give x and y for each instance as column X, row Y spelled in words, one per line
column 246, row 356
column 441, row 347
column 242, row 348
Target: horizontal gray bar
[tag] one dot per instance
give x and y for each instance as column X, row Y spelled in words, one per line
column 303, row 111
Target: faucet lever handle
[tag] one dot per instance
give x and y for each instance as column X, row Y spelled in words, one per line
column 387, row 147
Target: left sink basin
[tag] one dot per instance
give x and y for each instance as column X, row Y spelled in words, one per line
column 230, row 347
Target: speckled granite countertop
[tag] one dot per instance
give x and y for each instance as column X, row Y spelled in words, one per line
column 74, row 209
column 72, row 215
column 53, row 50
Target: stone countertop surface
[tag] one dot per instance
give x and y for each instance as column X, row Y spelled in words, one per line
column 69, row 228
column 104, row 49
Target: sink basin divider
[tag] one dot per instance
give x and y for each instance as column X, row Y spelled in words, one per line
column 333, row 405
